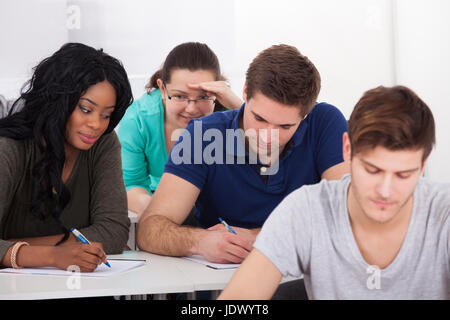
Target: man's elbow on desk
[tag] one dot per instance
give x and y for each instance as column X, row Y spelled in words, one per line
column 160, row 235
column 144, row 232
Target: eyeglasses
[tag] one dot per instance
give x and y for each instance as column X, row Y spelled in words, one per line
column 184, row 100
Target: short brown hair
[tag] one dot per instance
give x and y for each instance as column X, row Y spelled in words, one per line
column 395, row 118
column 283, row 74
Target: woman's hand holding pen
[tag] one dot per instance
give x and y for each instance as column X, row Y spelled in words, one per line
column 222, row 91
column 86, row 257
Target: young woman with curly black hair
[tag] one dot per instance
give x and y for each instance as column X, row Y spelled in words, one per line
column 60, row 164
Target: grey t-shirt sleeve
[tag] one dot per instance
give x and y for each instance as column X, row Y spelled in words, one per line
column 285, row 238
column 10, row 164
column 108, row 200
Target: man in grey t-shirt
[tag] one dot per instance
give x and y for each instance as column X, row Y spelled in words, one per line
column 382, row 232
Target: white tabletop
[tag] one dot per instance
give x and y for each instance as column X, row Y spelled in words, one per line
column 133, row 216
column 203, row 277
column 159, row 275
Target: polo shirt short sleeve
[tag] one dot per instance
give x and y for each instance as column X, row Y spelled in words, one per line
column 327, row 125
column 234, row 188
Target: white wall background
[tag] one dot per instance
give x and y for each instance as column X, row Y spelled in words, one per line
column 29, row 31
column 355, row 44
column 422, row 38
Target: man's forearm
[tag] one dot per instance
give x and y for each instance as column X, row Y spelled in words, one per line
column 157, row 234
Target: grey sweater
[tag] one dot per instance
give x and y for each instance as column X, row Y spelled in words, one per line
column 98, row 204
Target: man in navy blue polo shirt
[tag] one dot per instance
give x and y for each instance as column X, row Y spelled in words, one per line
column 240, row 164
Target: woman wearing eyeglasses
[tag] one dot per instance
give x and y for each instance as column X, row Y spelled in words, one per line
column 189, row 85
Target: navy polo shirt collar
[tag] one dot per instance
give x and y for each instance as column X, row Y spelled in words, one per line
column 299, row 135
column 239, row 149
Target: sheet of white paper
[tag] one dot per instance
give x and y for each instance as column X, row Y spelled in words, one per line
column 117, row 266
column 202, row 260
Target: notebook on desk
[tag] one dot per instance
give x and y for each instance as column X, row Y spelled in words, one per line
column 217, row 266
column 117, row 266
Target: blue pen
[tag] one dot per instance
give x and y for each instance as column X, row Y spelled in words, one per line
column 226, row 225
column 83, row 239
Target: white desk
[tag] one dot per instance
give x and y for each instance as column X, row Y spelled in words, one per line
column 203, row 277
column 160, row 275
column 132, row 233
column 133, row 217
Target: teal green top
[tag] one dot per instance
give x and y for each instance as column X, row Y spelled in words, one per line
column 141, row 133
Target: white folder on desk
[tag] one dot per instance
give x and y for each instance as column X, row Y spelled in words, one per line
column 117, row 266
column 202, row 260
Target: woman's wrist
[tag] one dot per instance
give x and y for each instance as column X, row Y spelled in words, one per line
column 36, row 256
column 236, row 103
column 64, row 238
column 14, row 253
column 70, row 240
